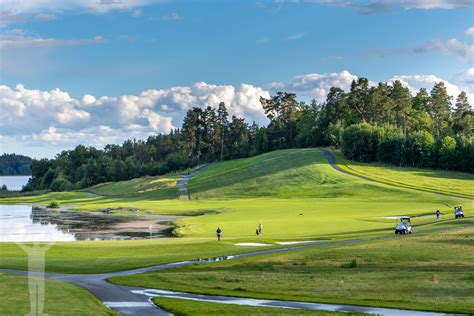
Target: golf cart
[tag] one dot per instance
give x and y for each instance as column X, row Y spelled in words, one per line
column 458, row 213
column 403, row 226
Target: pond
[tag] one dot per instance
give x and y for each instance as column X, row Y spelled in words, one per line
column 14, row 183
column 26, row 223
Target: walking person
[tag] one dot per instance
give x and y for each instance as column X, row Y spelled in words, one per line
column 218, row 232
column 260, row 226
column 438, row 213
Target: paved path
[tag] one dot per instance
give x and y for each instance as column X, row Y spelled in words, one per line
column 181, row 184
column 136, row 301
column 332, row 161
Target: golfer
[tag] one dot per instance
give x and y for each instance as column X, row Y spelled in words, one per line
column 260, row 226
column 218, row 232
column 438, row 213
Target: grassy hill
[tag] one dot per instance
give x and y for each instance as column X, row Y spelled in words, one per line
column 449, row 182
column 285, row 174
column 158, row 188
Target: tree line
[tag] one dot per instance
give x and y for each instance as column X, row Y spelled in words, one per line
column 15, row 165
column 383, row 123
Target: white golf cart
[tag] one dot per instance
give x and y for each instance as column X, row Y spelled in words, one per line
column 458, row 213
column 403, row 226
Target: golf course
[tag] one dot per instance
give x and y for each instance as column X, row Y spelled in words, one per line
column 303, row 202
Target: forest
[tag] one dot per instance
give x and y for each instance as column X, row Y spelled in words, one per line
column 382, row 123
column 15, row 165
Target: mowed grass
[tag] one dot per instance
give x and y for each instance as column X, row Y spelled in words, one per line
column 180, row 307
column 61, row 298
column 159, row 187
column 449, row 182
column 295, row 194
column 424, row 272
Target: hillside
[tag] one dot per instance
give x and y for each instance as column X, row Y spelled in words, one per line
column 15, row 165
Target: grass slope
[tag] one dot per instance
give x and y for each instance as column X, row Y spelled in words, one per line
column 184, row 308
column 426, row 272
column 61, row 298
column 159, row 188
column 449, row 182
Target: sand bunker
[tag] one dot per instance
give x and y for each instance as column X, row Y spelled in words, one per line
column 298, row 242
column 252, row 244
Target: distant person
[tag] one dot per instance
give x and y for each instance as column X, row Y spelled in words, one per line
column 260, row 226
column 438, row 213
column 257, row 232
column 218, row 232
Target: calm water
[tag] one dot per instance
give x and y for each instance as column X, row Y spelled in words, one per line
column 17, row 224
column 14, row 183
column 21, row 223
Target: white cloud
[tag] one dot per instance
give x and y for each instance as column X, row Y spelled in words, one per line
column 379, row 6
column 95, row 6
column 56, row 118
column 416, row 82
column 296, row 36
column 470, row 31
column 17, row 38
column 464, row 51
column 315, row 85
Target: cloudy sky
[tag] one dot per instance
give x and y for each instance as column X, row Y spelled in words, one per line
column 101, row 71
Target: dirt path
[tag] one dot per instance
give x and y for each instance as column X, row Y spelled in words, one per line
column 181, row 184
column 137, row 301
column 332, row 161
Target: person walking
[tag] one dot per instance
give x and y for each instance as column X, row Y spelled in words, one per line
column 438, row 213
column 260, row 226
column 218, row 232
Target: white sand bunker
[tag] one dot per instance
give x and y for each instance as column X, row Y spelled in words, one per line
column 252, row 244
column 298, row 242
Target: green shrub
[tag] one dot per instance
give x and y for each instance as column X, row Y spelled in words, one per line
column 54, row 204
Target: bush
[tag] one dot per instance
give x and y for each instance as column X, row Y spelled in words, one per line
column 54, row 204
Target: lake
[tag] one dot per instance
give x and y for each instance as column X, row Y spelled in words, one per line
column 27, row 223
column 14, row 183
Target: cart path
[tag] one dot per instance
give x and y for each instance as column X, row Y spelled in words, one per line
column 332, row 161
column 129, row 300
column 181, row 184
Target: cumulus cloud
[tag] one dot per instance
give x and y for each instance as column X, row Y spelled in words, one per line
column 17, row 38
column 53, row 117
column 57, row 118
column 470, row 31
column 315, row 85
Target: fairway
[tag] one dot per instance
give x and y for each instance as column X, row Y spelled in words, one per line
column 297, row 196
column 425, row 272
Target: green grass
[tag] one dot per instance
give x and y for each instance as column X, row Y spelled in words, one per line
column 183, row 308
column 294, row 193
column 148, row 187
column 425, row 272
column 61, row 298
column 449, row 182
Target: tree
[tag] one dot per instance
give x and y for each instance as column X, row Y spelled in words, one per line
column 402, row 105
column 439, row 107
column 359, row 100
column 447, row 152
column 463, row 119
column 223, row 126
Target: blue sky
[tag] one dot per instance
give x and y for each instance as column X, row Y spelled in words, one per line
column 122, row 48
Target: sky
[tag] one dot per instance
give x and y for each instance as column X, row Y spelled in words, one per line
column 101, row 71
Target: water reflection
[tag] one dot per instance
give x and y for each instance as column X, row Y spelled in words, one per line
column 21, row 223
